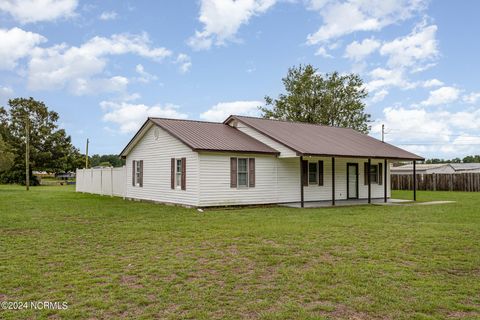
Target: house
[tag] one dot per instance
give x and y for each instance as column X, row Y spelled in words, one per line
column 424, row 168
column 247, row 160
column 437, row 168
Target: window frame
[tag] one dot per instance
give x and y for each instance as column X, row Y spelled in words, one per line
column 246, row 172
column 314, row 183
column 137, row 173
column 373, row 173
column 178, row 173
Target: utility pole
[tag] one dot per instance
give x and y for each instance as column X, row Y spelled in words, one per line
column 383, row 133
column 86, row 156
column 27, row 153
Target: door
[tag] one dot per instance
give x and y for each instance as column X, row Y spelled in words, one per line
column 352, row 180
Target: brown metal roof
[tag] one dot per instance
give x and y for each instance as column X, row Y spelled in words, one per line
column 212, row 136
column 312, row 139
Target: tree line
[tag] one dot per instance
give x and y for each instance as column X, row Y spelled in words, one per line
column 51, row 149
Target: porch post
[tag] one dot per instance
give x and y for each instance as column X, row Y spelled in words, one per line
column 368, row 181
column 385, row 180
column 301, row 182
column 414, row 180
column 333, row 181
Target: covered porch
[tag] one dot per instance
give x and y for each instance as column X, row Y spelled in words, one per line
column 347, row 181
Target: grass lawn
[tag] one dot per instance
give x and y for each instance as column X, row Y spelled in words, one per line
column 110, row 258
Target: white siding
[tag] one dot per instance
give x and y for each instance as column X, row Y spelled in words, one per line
column 156, row 155
column 278, row 181
column 215, row 180
column 284, row 151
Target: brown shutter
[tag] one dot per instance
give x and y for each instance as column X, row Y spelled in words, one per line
column 305, row 172
column 320, row 173
column 184, row 173
column 133, row 173
column 233, row 172
column 140, row 180
column 365, row 173
column 251, row 172
column 172, row 173
column 380, row 174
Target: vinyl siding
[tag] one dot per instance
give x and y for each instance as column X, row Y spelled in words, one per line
column 215, row 187
column 156, row 155
column 277, row 181
column 284, row 151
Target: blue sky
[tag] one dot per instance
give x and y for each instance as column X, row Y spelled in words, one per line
column 105, row 66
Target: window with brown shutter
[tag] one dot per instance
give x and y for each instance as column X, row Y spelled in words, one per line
column 233, row 172
column 172, row 173
column 251, row 172
column 365, row 173
column 380, row 174
column 184, row 173
column 133, row 172
column 305, row 172
column 140, row 175
column 320, row 173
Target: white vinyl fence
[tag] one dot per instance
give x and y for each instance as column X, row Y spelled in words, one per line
column 104, row 181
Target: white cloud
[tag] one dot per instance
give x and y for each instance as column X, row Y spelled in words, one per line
column 108, row 15
column 129, row 117
column 323, row 53
column 432, row 83
column 221, row 20
column 434, row 133
column 417, row 47
column 184, row 61
column 6, row 92
column 222, row 110
column 81, row 86
column 144, row 76
column 76, row 67
column 442, row 95
column 472, row 97
column 16, row 44
column 357, row 51
column 379, row 96
column 344, row 17
column 383, row 78
column 28, row 11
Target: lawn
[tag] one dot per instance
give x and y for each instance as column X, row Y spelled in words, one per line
column 110, row 258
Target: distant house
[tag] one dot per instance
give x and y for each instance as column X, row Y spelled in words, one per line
column 437, row 168
column 247, row 160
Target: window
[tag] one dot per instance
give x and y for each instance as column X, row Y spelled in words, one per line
column 138, row 172
column 312, row 173
column 374, row 173
column 178, row 175
column 242, row 172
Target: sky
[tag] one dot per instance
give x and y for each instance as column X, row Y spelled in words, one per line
column 105, row 66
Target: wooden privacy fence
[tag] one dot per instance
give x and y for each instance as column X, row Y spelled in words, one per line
column 438, row 182
column 104, row 181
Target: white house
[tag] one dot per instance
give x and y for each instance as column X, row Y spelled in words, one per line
column 247, row 160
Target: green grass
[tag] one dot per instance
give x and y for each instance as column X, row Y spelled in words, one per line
column 110, row 258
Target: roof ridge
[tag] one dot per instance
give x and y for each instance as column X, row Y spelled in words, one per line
column 296, row 122
column 186, row 120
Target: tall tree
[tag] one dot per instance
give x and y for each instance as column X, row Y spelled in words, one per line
column 332, row 99
column 6, row 156
column 50, row 147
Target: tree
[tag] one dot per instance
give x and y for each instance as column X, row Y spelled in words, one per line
column 472, row 159
column 101, row 160
column 331, row 99
column 50, row 147
column 6, row 157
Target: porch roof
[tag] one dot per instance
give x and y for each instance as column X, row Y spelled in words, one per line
column 318, row 140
